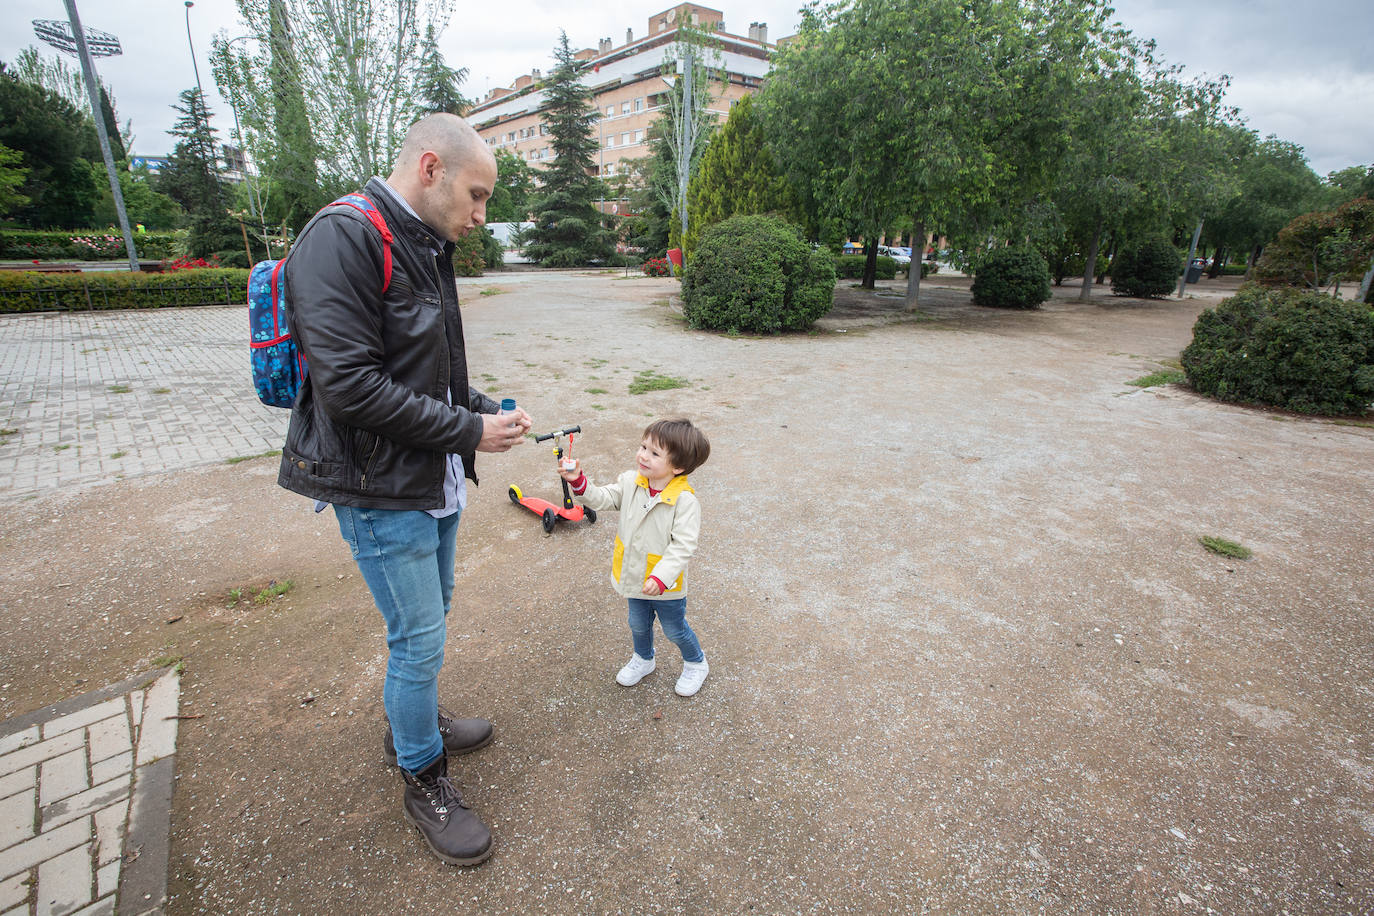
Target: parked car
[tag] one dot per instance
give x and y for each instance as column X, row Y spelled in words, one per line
column 901, row 255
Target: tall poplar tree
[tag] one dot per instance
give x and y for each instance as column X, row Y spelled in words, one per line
column 569, row 231
column 192, row 178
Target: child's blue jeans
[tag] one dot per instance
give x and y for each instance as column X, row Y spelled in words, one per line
column 672, row 616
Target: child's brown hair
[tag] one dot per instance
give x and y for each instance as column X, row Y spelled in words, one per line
column 687, row 446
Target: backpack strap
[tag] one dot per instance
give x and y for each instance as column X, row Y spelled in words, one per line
column 366, row 207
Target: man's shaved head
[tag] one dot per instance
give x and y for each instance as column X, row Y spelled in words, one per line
column 447, row 136
column 446, row 173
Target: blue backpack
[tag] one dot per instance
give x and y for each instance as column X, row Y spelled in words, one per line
column 279, row 367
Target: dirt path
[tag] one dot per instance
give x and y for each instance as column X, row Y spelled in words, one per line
column 967, row 655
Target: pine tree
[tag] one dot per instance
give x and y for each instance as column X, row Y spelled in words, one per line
column 192, row 178
column 568, row 230
column 437, row 83
column 736, row 176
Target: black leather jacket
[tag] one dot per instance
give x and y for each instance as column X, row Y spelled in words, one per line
column 371, row 425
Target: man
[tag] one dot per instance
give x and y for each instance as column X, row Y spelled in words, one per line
column 385, row 429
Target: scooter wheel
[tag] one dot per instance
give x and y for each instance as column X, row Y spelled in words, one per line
column 589, row 514
column 515, row 494
column 550, row 519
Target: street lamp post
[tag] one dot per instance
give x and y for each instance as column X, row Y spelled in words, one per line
column 107, row 46
column 190, row 44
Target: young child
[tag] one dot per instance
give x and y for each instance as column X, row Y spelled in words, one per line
column 659, row 521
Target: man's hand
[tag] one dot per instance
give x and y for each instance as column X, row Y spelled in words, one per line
column 501, row 431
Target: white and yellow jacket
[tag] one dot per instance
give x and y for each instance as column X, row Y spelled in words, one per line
column 657, row 534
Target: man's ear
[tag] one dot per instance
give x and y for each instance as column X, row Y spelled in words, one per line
column 431, row 168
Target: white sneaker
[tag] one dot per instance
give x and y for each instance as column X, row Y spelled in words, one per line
column 693, row 674
column 634, row 671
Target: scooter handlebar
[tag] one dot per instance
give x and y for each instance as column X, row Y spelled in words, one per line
column 562, row 432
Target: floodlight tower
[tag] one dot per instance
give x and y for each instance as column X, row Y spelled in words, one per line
column 85, row 44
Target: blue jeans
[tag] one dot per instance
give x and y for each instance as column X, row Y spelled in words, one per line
column 672, row 616
column 406, row 558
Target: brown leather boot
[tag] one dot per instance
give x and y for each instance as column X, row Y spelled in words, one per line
column 433, row 804
column 460, row 736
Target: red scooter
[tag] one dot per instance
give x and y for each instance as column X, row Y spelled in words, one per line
column 550, row 514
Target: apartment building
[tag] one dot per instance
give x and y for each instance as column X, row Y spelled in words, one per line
column 628, row 85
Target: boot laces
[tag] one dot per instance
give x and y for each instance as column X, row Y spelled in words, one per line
column 443, row 795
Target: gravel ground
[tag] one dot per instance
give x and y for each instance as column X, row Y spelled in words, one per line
column 967, row 654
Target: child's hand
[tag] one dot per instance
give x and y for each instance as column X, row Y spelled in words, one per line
column 651, row 587
column 570, row 469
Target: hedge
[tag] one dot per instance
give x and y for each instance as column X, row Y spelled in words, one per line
column 36, row 291
column 1012, row 278
column 89, row 245
column 851, row 267
column 1296, row 349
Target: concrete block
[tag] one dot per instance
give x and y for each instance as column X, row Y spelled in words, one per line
column 105, row 906
column 63, row 776
column 83, row 717
column 14, row 890
column 64, row 883
column 85, row 803
column 107, row 878
column 18, row 782
column 17, row 818
column 19, row 739
column 111, row 767
column 109, row 737
column 109, row 832
column 36, row 753
column 157, row 737
column 23, row 856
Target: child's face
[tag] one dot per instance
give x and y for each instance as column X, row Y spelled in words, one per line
column 654, row 462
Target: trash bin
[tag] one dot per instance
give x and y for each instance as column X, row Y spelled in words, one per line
column 675, row 258
column 1194, row 273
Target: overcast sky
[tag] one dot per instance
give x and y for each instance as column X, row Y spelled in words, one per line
column 1302, row 71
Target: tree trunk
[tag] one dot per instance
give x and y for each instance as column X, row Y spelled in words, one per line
column 913, row 270
column 1090, row 263
column 870, row 265
column 1215, row 270
column 1365, row 283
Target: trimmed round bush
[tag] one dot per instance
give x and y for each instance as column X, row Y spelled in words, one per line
column 1147, row 271
column 1012, row 278
column 851, row 267
column 1297, row 349
column 754, row 274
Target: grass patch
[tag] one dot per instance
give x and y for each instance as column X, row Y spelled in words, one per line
column 1224, row 547
column 118, row 389
column 8, row 431
column 162, row 391
column 491, row 291
column 598, row 407
column 241, row 458
column 273, row 590
column 61, row 448
column 117, row 455
column 1364, row 423
column 649, row 380
column 596, row 391
column 1162, row 377
column 595, row 363
column 234, row 595
column 170, row 661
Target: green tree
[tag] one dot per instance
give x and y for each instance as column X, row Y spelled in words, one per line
column 923, row 113
column 568, row 229
column 687, row 120
column 56, row 75
column 648, row 226
column 362, row 75
column 1276, row 185
column 737, row 176
column 13, row 174
column 510, row 198
column 1347, row 184
column 437, row 84
column 144, row 204
column 192, row 178
column 1318, row 250
column 58, row 145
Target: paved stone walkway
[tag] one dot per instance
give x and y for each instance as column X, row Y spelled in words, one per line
column 86, row 800
column 90, row 397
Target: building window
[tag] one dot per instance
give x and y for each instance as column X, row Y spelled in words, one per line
column 610, row 142
column 639, row 136
column 610, row 110
column 510, row 137
column 610, row 169
column 639, row 104
column 625, row 139
column 625, row 107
